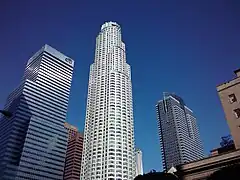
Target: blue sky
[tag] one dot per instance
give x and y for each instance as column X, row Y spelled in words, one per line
column 187, row 47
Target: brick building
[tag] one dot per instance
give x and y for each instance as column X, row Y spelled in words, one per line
column 72, row 130
column 74, row 154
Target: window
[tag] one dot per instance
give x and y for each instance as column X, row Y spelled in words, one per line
column 232, row 98
column 237, row 112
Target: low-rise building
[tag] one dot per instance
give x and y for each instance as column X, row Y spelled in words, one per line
column 200, row 170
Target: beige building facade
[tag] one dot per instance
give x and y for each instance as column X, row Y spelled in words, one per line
column 229, row 94
column 201, row 170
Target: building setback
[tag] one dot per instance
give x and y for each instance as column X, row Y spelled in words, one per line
column 109, row 151
column 72, row 130
column 179, row 135
column 34, row 141
column 74, row 154
column 229, row 94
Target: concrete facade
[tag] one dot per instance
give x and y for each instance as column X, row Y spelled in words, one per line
column 229, row 94
column 200, row 170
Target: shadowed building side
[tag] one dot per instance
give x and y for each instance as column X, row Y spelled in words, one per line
column 203, row 168
column 73, row 161
column 179, row 135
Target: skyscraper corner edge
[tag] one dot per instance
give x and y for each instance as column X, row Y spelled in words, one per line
column 49, row 49
column 58, row 54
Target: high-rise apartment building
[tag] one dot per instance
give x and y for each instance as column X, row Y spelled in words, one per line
column 34, row 141
column 139, row 164
column 73, row 161
column 108, row 136
column 179, row 134
column 229, row 94
column 72, row 130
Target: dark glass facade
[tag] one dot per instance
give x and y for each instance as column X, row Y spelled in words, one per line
column 179, row 134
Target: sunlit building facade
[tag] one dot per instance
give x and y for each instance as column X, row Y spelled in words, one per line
column 34, row 141
column 139, row 162
column 109, row 134
column 229, row 95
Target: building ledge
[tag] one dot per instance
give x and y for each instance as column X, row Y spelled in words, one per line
column 211, row 161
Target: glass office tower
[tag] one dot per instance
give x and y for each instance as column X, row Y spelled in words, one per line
column 178, row 130
column 33, row 141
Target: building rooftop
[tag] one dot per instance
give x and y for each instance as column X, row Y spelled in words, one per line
column 110, row 23
column 67, row 125
column 237, row 71
column 231, row 82
column 211, row 159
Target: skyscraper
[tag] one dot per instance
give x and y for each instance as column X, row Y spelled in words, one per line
column 139, row 164
column 108, row 135
column 229, row 95
column 34, row 141
column 179, row 134
column 74, row 153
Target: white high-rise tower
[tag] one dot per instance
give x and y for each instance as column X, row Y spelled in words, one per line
column 108, row 136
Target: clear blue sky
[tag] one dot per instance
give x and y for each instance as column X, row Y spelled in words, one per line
column 186, row 47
